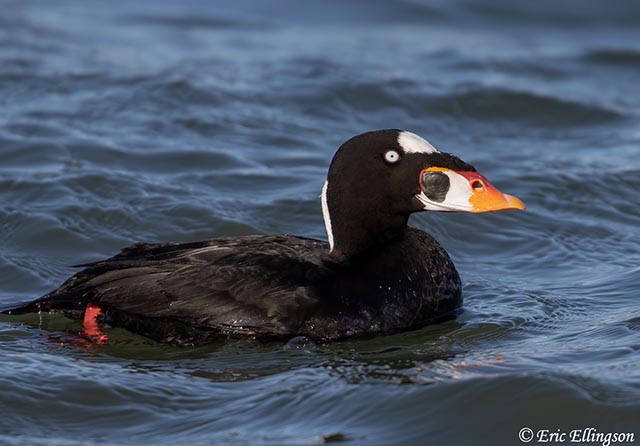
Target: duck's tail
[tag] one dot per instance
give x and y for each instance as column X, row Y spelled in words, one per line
column 47, row 302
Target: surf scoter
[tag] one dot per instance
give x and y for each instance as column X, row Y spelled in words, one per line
column 375, row 276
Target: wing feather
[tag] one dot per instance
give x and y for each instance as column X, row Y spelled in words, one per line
column 257, row 284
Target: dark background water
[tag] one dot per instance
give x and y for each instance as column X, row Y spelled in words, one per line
column 164, row 121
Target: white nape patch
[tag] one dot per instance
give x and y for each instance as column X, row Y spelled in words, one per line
column 325, row 214
column 412, row 143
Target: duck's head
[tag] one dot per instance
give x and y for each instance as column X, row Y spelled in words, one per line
column 378, row 179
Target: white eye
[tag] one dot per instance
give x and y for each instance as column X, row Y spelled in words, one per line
column 392, row 156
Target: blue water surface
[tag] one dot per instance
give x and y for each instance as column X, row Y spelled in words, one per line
column 174, row 121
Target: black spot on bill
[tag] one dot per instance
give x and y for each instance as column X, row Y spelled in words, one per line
column 435, row 185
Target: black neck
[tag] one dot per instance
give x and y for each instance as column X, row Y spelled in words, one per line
column 353, row 240
column 357, row 225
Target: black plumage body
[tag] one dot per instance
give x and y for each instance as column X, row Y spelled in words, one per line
column 376, row 275
column 265, row 286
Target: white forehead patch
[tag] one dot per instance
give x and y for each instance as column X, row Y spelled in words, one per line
column 412, row 143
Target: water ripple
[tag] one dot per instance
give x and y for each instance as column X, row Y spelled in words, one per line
column 180, row 122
